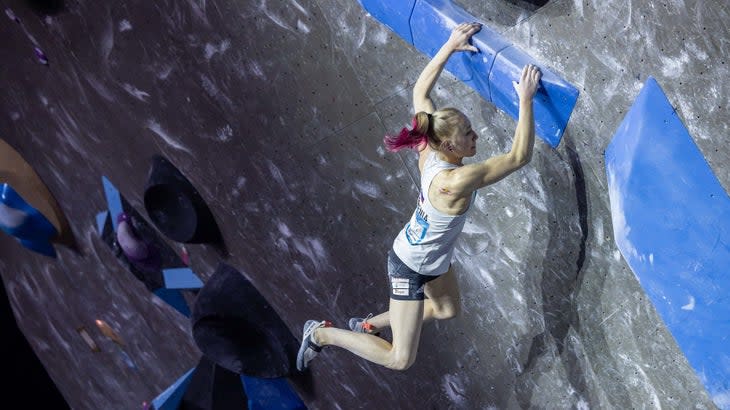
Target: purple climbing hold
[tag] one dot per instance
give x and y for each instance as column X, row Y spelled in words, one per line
column 139, row 252
column 41, row 56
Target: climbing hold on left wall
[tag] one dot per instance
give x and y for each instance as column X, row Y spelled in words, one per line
column 29, row 195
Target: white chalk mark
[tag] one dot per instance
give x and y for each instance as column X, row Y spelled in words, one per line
column 155, row 127
column 642, row 381
column 674, row 67
column 511, row 255
column 284, row 229
column 690, row 305
column 299, row 7
column 165, row 72
column 621, row 229
column 100, row 88
column 609, row 316
column 302, row 27
column 517, row 296
column 361, row 35
column 381, row 36
column 212, row 49
column 337, row 296
column 124, row 25
column 135, row 92
column 367, row 188
column 598, row 229
column 313, row 249
column 454, row 388
column 213, row 89
column 617, row 255
column 199, row 9
column 722, row 399
column 224, row 133
column 273, row 17
column 255, row 68
column 208, row 85
column 11, row 217
column 486, row 276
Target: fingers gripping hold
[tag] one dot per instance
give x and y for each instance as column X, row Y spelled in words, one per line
column 529, row 82
column 461, row 35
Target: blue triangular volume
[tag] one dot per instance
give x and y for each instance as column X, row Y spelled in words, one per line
column 271, row 394
column 101, row 218
column 181, row 278
column 174, row 298
column 170, row 398
column 113, row 200
column 671, row 219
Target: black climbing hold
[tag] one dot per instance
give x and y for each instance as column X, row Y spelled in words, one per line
column 235, row 327
column 176, row 207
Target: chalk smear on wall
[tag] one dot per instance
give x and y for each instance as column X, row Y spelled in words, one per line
column 124, row 25
column 224, row 133
column 135, row 92
column 155, row 127
column 212, row 49
column 453, row 385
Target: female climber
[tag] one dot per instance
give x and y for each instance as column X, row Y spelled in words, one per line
column 419, row 263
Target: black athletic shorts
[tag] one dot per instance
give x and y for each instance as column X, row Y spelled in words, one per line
column 405, row 283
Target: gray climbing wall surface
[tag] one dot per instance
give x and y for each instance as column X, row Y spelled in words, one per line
column 275, row 111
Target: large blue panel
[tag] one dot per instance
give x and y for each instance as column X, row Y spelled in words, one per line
column 393, row 13
column 174, row 298
column 170, row 398
column 271, row 394
column 671, row 220
column 554, row 101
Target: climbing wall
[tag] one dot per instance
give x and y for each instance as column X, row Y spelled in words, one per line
column 275, row 111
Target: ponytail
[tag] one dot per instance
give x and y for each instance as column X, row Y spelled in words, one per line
column 415, row 137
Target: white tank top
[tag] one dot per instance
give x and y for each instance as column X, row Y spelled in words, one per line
column 426, row 243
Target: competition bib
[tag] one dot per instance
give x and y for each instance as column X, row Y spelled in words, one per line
column 418, row 226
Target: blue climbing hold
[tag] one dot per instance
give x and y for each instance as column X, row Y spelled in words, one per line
column 22, row 221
